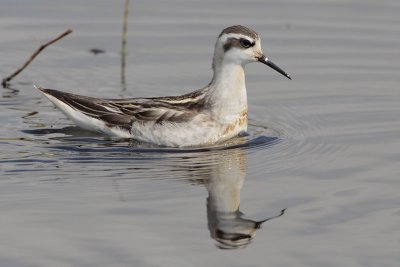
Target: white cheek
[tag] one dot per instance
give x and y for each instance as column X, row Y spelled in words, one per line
column 239, row 56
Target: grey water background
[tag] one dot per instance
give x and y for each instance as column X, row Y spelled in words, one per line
column 324, row 146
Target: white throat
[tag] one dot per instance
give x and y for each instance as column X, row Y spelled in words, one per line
column 228, row 87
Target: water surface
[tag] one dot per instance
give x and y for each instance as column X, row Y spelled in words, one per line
column 323, row 148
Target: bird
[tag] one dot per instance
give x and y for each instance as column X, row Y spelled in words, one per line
column 204, row 117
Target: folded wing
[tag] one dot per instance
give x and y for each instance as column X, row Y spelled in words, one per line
column 123, row 113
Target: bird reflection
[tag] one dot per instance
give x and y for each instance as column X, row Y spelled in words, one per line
column 222, row 170
column 226, row 223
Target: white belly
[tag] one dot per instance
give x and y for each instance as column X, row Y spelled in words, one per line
column 195, row 133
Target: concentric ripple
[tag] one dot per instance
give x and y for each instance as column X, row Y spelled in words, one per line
column 75, row 139
column 278, row 140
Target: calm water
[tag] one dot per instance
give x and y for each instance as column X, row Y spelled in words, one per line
column 321, row 160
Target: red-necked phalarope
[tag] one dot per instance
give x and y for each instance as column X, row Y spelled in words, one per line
column 212, row 114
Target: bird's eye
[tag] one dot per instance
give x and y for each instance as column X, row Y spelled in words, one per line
column 245, row 43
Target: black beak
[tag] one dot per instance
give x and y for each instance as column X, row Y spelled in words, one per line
column 269, row 63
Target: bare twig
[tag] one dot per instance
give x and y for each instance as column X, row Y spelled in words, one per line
column 9, row 78
column 123, row 49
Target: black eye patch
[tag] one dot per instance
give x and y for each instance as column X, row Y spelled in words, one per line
column 246, row 43
column 239, row 43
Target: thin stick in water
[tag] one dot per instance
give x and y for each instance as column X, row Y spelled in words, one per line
column 9, row 78
column 123, row 49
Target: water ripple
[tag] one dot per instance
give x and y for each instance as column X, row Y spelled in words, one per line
column 286, row 139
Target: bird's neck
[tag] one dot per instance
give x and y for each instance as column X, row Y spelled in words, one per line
column 228, row 89
column 226, row 180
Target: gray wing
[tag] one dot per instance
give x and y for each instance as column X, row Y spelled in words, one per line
column 124, row 112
